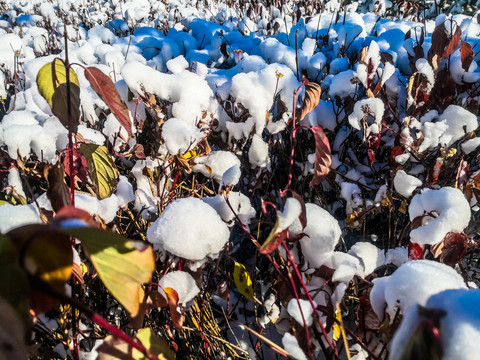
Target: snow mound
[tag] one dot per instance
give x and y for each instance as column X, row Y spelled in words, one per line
column 412, row 284
column 215, row 164
column 453, row 214
column 183, row 283
column 13, row 216
column 189, row 228
column 405, row 184
column 239, row 203
column 322, row 234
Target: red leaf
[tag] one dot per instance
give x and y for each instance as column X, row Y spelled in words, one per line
column 439, row 39
column 453, row 43
column 80, row 165
column 415, row 251
column 323, row 156
column 373, row 144
column 303, row 215
column 176, row 316
column 467, row 55
column 274, row 240
column 454, row 248
column 435, row 171
column 105, row 88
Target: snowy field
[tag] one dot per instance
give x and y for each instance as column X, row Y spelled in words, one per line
column 343, row 137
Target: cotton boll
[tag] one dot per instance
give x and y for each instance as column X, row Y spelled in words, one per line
column 369, row 255
column 183, row 283
column 323, row 233
column 180, row 136
column 293, row 309
column 405, row 184
column 258, row 152
column 407, row 286
column 453, row 214
column 290, row 343
column 215, row 164
column 205, row 235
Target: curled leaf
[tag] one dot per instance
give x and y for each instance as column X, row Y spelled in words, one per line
column 452, row 44
column 105, row 88
column 51, row 76
column 323, row 156
column 313, row 91
column 466, row 54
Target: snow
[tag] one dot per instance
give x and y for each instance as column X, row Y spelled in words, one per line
column 258, row 152
column 405, row 184
column 180, row 136
column 215, row 164
column 369, row 255
column 205, row 235
column 322, row 234
column 453, row 214
column 13, row 216
column 183, row 283
column 297, row 308
column 290, row 344
column 290, row 213
column 239, row 203
column 459, row 328
column 470, row 145
column 412, row 284
column 371, row 106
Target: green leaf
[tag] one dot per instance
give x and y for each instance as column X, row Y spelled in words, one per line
column 122, row 264
column 105, row 88
column 50, row 76
column 102, row 169
column 60, row 105
column 243, row 281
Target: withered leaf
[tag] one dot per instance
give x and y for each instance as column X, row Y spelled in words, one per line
column 323, row 156
column 313, row 91
column 467, row 55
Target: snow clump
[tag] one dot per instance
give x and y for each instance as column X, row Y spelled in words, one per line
column 453, row 214
column 183, row 283
column 189, row 228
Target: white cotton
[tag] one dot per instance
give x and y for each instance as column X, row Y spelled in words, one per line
column 405, row 184
column 407, row 286
column 293, row 309
column 453, row 214
column 323, row 233
column 290, row 344
column 215, row 164
column 205, row 235
column 13, row 216
column 369, row 255
column 183, row 283
column 470, row 145
column 258, row 152
column 290, row 213
column 180, row 136
column 240, row 204
column 397, row 256
column 460, row 327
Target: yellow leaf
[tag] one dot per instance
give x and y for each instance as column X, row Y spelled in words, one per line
column 337, row 330
column 190, row 154
column 51, row 76
column 155, row 344
column 122, row 264
column 102, row 169
column 243, row 281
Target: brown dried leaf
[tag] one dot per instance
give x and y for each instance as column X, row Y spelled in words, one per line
column 452, row 44
column 454, row 248
column 439, row 40
column 58, row 192
column 105, row 88
column 467, row 55
column 313, row 91
column 323, row 156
